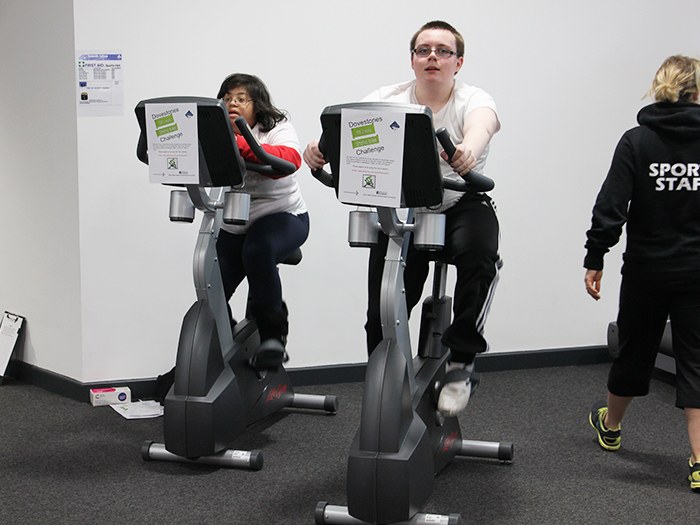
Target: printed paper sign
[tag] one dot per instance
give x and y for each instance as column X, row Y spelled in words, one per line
column 100, row 84
column 371, row 157
column 173, row 143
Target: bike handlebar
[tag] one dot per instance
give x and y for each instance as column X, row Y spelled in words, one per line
column 472, row 181
column 320, row 174
column 269, row 164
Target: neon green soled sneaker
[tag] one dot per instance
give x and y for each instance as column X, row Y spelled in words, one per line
column 694, row 476
column 607, row 439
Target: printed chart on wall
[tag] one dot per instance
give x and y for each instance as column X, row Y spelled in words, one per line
column 100, row 90
column 371, row 157
column 173, row 143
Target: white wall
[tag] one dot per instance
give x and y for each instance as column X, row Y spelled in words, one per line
column 568, row 80
column 39, row 262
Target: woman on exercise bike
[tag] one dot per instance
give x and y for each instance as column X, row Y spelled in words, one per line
column 278, row 223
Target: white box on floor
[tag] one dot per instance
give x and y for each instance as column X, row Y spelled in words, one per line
column 110, row 396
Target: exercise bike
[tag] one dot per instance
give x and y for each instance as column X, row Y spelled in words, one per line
column 403, row 441
column 216, row 393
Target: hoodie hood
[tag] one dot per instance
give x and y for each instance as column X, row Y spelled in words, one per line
column 680, row 120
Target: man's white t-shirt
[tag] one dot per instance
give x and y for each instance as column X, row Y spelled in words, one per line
column 463, row 100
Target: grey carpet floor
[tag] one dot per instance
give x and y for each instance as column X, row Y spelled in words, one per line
column 63, row 461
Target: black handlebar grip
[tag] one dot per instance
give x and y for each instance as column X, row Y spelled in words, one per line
column 323, row 177
column 479, row 182
column 445, row 140
column 320, row 174
column 269, row 163
column 475, row 181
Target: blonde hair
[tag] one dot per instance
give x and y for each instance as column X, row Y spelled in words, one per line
column 678, row 79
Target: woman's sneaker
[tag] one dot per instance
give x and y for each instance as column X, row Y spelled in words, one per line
column 270, row 355
column 694, row 476
column 607, row 439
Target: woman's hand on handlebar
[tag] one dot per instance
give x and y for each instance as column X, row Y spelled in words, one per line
column 463, row 161
column 313, row 156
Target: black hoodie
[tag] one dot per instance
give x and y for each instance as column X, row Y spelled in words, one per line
column 654, row 186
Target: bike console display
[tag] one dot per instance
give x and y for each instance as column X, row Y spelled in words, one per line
column 421, row 182
column 220, row 162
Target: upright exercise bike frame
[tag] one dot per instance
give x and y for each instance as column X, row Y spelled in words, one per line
column 403, row 441
column 216, row 394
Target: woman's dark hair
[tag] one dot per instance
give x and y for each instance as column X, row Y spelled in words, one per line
column 267, row 115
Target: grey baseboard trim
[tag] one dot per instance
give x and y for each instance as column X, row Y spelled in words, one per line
column 327, row 375
column 320, row 375
column 495, row 362
column 501, row 361
column 69, row 387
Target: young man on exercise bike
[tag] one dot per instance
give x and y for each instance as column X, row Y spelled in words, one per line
column 472, row 232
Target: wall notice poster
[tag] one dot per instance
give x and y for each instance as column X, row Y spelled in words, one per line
column 100, row 89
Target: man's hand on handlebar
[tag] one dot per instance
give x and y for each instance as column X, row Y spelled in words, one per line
column 463, row 160
column 313, row 156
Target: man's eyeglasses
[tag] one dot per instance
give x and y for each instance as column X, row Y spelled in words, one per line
column 440, row 52
column 237, row 101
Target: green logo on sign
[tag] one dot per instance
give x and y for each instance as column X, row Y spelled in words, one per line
column 361, row 131
column 162, row 121
column 365, row 141
column 166, row 130
column 165, row 125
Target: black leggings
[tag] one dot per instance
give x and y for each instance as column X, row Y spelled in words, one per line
column 255, row 255
column 471, row 245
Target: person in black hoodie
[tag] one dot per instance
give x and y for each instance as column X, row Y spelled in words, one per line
column 653, row 187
